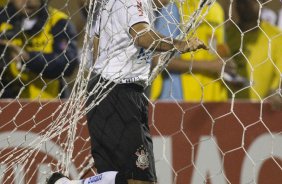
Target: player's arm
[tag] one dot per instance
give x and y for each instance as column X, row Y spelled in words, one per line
column 179, row 65
column 145, row 37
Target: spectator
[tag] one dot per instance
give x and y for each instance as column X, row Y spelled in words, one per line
column 41, row 50
column 260, row 59
column 204, row 83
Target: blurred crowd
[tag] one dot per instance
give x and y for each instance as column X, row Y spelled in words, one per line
column 40, row 51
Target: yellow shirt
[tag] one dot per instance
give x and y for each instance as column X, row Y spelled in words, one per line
column 197, row 87
column 263, row 50
column 36, row 86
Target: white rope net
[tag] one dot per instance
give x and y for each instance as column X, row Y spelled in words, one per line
column 43, row 127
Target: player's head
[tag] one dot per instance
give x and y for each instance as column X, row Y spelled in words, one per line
column 27, row 6
column 160, row 3
column 248, row 10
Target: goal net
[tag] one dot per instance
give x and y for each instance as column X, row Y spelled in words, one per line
column 211, row 117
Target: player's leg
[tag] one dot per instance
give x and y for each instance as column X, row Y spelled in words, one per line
column 120, row 136
column 146, row 149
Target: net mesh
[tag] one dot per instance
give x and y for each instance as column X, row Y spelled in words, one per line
column 43, row 127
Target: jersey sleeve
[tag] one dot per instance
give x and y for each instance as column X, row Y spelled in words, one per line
column 136, row 12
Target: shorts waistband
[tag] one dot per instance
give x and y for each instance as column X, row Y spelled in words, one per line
column 134, row 86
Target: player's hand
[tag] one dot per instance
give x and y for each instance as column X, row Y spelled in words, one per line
column 192, row 44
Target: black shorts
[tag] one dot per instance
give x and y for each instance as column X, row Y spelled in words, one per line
column 119, row 131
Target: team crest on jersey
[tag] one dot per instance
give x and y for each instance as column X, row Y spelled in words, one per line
column 142, row 161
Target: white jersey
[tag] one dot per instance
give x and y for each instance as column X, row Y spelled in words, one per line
column 119, row 59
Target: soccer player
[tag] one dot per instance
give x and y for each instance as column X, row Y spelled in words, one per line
column 41, row 51
column 118, row 125
column 261, row 58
